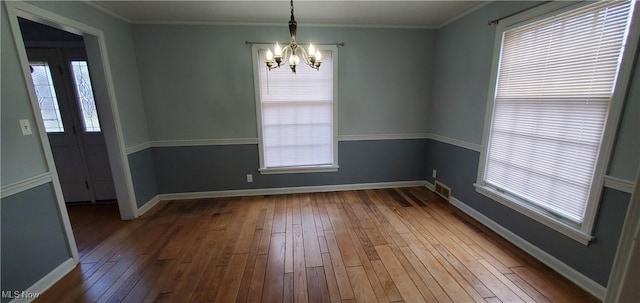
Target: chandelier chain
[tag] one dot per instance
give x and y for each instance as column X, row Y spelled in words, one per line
column 312, row 58
column 291, row 9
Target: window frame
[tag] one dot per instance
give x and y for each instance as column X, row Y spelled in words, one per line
column 583, row 232
column 255, row 48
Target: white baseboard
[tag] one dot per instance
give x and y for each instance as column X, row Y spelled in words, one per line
column 287, row 190
column 429, row 186
column 48, row 280
column 149, row 205
column 568, row 272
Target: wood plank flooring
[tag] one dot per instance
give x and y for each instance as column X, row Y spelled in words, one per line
column 386, row 245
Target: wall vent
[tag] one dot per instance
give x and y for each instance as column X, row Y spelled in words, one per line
column 443, row 190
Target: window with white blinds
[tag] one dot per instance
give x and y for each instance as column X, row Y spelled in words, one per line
column 296, row 113
column 556, row 78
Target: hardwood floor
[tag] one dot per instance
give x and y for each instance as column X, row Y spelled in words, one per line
column 93, row 223
column 390, row 245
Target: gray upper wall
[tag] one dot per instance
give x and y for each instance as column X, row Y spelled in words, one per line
column 21, row 156
column 626, row 154
column 122, row 61
column 197, row 80
column 463, row 58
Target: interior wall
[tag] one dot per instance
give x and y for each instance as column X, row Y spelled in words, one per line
column 197, row 82
column 457, row 110
column 22, row 156
column 197, row 85
column 27, row 232
column 29, row 206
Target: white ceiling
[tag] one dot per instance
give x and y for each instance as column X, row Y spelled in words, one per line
column 420, row 14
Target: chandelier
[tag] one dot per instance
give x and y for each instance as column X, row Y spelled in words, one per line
column 311, row 57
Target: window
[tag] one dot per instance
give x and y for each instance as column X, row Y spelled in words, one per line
column 46, row 95
column 84, row 91
column 554, row 84
column 296, row 114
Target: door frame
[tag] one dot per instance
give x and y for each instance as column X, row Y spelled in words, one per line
column 104, row 93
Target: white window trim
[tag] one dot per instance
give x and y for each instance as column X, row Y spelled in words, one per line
column 581, row 233
column 255, row 48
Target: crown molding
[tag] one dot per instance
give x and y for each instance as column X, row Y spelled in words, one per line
column 465, row 13
column 99, row 6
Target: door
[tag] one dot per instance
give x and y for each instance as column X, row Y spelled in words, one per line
column 64, row 92
column 86, row 116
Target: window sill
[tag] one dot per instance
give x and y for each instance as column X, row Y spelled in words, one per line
column 534, row 213
column 299, row 170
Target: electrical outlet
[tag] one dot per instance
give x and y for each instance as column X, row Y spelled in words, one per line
column 26, row 127
column 249, row 178
column 433, row 174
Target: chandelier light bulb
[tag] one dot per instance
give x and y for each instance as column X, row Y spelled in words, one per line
column 269, row 55
column 278, row 50
column 312, row 50
column 294, row 60
column 318, row 55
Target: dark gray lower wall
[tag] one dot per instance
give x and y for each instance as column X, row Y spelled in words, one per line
column 33, row 239
column 224, row 167
column 457, row 167
column 143, row 175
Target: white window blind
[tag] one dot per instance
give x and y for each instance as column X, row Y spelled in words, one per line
column 297, row 114
column 555, row 81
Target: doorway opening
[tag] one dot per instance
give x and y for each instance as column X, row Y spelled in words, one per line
column 61, row 76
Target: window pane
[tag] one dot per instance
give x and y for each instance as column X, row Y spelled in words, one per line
column 46, row 95
column 297, row 114
column 555, row 82
column 84, row 91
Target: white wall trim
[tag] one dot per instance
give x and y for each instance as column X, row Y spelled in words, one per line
column 26, row 184
column 467, row 12
column 456, row 142
column 149, row 205
column 245, row 23
column 341, row 138
column 48, row 280
column 429, row 186
column 204, row 142
column 618, row 184
column 565, row 270
column 367, row 137
column 288, row 190
column 246, row 141
column 139, row 147
column 109, row 11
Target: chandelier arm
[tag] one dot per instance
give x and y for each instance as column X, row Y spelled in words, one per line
column 305, row 57
column 286, row 54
